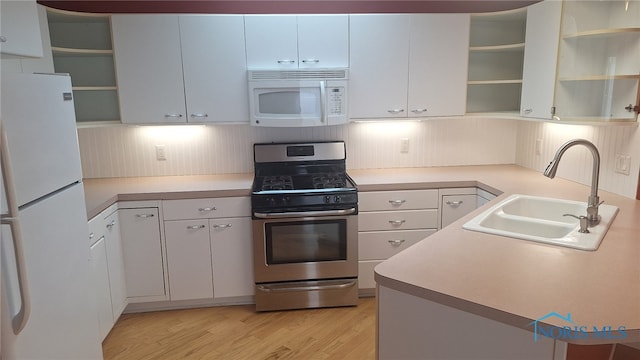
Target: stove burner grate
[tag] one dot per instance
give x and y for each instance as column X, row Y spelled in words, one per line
column 277, row 182
column 329, row 181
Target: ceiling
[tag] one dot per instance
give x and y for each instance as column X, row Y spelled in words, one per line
column 288, row 6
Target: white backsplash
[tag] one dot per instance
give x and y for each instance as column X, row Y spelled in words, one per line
column 126, row 151
column 576, row 164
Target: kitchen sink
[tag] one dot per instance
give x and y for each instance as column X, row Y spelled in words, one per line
column 543, row 220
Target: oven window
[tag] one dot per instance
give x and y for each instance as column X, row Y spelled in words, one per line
column 306, row 241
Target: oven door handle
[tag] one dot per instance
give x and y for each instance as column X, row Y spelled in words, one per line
column 304, row 213
column 345, row 285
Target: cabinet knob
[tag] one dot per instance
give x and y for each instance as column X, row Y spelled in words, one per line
column 396, row 111
column 3, row 39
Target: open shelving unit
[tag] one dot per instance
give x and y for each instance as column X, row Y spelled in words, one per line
column 599, row 61
column 81, row 46
column 496, row 56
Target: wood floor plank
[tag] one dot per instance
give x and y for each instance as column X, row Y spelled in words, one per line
column 238, row 332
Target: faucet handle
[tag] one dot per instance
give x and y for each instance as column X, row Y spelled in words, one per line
column 584, row 223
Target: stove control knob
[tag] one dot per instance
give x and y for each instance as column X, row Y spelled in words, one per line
column 327, row 199
column 337, row 199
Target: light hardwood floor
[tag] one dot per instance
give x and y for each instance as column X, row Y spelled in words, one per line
column 238, row 332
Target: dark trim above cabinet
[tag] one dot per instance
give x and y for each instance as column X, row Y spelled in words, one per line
column 288, row 7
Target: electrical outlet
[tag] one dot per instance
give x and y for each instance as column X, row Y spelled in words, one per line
column 623, row 163
column 404, row 145
column 538, row 146
column 160, row 153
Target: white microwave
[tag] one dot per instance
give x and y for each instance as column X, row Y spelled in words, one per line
column 294, row 98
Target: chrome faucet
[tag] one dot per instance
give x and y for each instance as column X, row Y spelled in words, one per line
column 594, row 201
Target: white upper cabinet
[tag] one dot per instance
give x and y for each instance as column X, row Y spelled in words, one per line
column 149, row 68
column 402, row 66
column 177, row 69
column 215, row 69
column 540, row 59
column 20, row 29
column 438, row 64
column 297, row 41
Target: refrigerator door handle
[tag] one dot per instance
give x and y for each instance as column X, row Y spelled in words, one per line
column 19, row 320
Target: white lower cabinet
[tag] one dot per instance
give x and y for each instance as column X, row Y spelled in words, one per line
column 209, row 252
column 458, row 202
column 143, row 255
column 189, row 259
column 107, row 268
column 390, row 222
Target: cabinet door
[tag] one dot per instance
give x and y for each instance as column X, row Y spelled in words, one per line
column 456, row 206
column 142, row 252
column 189, row 259
column 214, row 68
column 323, row 41
column 271, row 41
column 148, row 68
column 379, row 57
column 438, row 64
column 20, row 29
column 100, row 284
column 540, row 58
column 115, row 261
column 232, row 256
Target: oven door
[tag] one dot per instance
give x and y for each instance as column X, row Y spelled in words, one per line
column 305, row 248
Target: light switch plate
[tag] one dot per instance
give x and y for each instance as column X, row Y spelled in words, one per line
column 160, row 153
column 404, row 145
column 622, row 164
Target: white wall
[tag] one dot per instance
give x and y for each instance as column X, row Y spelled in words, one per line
column 126, row 151
column 576, row 163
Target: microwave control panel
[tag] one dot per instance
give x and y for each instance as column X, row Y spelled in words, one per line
column 336, row 100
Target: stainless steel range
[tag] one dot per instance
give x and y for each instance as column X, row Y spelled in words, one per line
column 305, row 228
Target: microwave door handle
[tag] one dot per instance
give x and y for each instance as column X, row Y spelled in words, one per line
column 323, row 98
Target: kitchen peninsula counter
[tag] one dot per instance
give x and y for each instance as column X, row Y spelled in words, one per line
column 508, row 280
column 514, row 281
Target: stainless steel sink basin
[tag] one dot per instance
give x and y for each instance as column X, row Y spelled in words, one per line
column 542, row 219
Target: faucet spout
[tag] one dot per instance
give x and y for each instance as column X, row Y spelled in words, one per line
column 593, row 201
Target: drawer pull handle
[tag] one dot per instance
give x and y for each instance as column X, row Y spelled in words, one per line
column 221, row 226
column 396, row 242
column 92, row 235
column 455, row 203
column 111, row 224
column 145, row 216
column 195, row 227
column 397, row 202
column 207, row 209
column 396, row 222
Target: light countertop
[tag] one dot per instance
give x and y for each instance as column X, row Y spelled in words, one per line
column 509, row 280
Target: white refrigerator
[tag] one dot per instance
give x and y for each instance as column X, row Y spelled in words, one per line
column 48, row 308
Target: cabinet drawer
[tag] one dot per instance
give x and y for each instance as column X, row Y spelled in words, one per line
column 380, row 245
column 398, row 220
column 456, row 206
column 210, row 208
column 398, row 200
column 366, row 278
